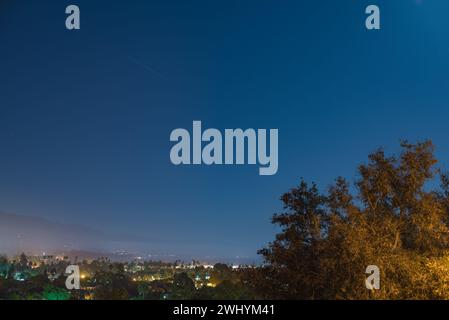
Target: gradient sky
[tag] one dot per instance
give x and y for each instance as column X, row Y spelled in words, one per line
column 85, row 116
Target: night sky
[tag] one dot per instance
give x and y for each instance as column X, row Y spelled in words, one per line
column 85, row 116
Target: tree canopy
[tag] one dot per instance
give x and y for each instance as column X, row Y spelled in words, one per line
column 395, row 216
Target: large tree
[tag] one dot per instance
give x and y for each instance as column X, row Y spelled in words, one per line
column 393, row 217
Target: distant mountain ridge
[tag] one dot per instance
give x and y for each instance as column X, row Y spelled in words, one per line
column 34, row 234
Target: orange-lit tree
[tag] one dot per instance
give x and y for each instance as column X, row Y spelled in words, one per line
column 392, row 219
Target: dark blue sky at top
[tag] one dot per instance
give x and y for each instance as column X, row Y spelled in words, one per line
column 85, row 116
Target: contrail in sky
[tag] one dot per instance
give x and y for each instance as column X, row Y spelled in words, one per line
column 146, row 67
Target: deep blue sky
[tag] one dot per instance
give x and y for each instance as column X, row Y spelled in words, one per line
column 85, row 116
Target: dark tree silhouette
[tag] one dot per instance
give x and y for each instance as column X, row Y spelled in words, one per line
column 391, row 219
column 183, row 287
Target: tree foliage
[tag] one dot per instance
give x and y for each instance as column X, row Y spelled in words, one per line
column 393, row 217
